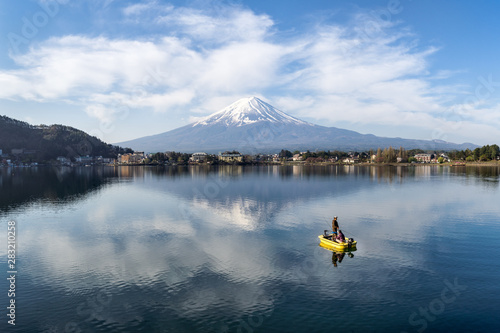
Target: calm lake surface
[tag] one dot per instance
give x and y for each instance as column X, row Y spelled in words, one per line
column 235, row 249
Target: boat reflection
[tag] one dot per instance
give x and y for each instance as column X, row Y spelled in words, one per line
column 338, row 255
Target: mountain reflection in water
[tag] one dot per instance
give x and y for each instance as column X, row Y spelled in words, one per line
column 233, row 248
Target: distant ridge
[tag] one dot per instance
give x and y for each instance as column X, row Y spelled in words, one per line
column 251, row 125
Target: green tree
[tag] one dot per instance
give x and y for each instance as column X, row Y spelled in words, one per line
column 306, row 155
column 380, row 157
column 484, row 158
column 389, row 155
column 413, row 152
column 403, row 154
column 477, row 154
column 158, row 158
column 494, row 151
column 285, row 153
column 370, row 154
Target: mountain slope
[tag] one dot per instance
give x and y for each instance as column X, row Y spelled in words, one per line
column 49, row 142
column 251, row 126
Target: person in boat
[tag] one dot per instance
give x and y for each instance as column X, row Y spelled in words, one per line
column 340, row 237
column 335, row 225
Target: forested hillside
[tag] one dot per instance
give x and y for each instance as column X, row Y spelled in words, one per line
column 44, row 143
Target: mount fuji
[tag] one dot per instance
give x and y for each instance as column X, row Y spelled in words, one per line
column 251, row 126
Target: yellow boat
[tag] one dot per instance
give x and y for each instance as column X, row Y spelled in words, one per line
column 350, row 244
column 329, row 248
column 337, row 255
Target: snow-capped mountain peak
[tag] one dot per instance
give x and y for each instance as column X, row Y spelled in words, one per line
column 250, row 125
column 247, row 111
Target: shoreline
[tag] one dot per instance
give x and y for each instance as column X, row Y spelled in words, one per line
column 448, row 164
column 454, row 164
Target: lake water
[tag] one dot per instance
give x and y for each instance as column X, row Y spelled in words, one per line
column 235, row 249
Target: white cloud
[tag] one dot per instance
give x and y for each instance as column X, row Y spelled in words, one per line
column 241, row 67
column 161, row 74
column 99, row 111
column 141, row 8
column 367, row 72
column 220, row 25
column 12, row 84
column 162, row 102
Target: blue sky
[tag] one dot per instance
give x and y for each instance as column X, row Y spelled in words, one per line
column 125, row 69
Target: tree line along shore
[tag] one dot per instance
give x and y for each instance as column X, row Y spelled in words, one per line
column 486, row 155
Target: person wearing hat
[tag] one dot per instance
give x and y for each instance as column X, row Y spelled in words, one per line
column 335, row 225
